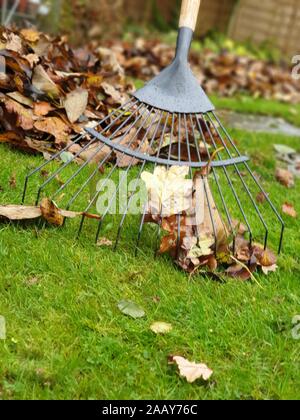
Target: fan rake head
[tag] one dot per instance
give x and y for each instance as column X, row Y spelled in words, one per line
column 138, row 138
column 169, row 123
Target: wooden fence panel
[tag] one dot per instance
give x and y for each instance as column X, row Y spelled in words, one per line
column 268, row 20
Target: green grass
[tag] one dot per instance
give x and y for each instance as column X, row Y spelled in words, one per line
column 259, row 106
column 66, row 338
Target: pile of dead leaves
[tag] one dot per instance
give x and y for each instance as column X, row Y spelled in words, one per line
column 196, row 236
column 223, row 73
column 50, row 92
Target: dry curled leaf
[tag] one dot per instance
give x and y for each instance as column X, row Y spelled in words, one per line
column 30, row 34
column 285, row 177
column 113, row 93
column 289, row 209
column 42, row 81
column 76, row 103
column 104, row 242
column 25, row 118
column 51, row 212
column 192, row 371
column 54, row 126
column 12, row 212
column 169, row 191
column 264, row 257
column 47, row 209
column 14, row 43
column 41, row 109
column 238, row 271
column 270, row 269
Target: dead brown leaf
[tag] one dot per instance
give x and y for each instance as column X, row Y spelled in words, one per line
column 289, row 209
column 117, row 97
column 238, row 272
column 285, row 177
column 30, row 34
column 51, row 212
column 54, row 126
column 42, row 81
column 76, row 103
column 25, row 117
column 265, row 257
column 261, row 197
column 13, row 212
column 41, row 109
column 14, row 43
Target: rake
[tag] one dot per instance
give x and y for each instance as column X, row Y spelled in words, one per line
column 169, row 123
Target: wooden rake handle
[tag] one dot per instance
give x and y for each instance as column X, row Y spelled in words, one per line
column 189, row 14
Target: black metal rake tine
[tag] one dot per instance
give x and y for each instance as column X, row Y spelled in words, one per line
column 216, row 179
column 94, row 173
column 229, row 180
column 189, row 156
column 207, row 195
column 58, row 154
column 277, row 214
column 229, row 218
column 205, row 189
column 126, row 172
column 155, row 165
column 36, row 170
column 115, row 166
column 168, row 167
column 87, row 162
column 179, row 215
column 249, row 170
column 132, row 195
column 61, row 168
column 244, row 184
column 188, row 145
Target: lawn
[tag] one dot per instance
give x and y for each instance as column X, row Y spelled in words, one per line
column 66, row 338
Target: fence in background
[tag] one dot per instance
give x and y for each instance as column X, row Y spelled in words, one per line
column 277, row 21
column 268, row 20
